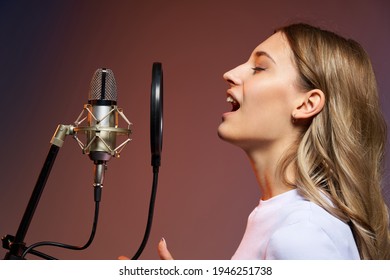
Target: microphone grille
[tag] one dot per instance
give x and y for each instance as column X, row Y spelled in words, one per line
column 103, row 86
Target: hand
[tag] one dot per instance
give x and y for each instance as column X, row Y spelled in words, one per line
column 163, row 250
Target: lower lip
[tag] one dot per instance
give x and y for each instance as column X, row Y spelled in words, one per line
column 224, row 115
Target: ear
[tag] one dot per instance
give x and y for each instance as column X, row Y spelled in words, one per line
column 310, row 105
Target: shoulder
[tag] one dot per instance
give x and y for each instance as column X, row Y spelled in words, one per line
column 310, row 232
column 301, row 240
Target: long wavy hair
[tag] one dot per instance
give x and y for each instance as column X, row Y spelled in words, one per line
column 341, row 152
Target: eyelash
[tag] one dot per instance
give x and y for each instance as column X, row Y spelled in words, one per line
column 257, row 69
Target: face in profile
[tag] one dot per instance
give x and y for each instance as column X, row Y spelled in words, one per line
column 263, row 93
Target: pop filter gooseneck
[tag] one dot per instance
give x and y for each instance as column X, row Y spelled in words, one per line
column 156, row 135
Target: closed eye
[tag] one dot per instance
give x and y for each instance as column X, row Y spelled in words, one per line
column 257, row 69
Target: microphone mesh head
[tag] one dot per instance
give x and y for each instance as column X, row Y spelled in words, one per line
column 103, row 86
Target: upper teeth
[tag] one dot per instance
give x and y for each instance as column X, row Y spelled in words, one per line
column 230, row 99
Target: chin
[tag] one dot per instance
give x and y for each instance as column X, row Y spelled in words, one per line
column 223, row 133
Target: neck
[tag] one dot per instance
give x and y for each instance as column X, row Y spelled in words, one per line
column 265, row 164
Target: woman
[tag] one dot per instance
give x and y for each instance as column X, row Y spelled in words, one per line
column 306, row 112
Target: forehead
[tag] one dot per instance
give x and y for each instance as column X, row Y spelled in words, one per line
column 276, row 46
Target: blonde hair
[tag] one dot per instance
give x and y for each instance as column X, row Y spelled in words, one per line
column 341, row 152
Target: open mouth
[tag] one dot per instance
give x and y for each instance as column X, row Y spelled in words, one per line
column 235, row 104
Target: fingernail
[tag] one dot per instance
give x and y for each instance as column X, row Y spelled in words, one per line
column 163, row 240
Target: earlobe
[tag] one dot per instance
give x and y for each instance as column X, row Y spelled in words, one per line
column 312, row 104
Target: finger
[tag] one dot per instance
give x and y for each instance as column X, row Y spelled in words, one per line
column 163, row 250
column 123, row 258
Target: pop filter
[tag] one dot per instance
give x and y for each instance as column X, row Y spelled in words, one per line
column 156, row 135
column 156, row 114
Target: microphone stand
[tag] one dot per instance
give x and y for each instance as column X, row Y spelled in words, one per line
column 15, row 244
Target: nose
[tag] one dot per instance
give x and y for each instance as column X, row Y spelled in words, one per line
column 232, row 77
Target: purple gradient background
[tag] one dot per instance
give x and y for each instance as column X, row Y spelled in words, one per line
column 48, row 53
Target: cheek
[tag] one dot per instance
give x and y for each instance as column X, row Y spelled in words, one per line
column 270, row 97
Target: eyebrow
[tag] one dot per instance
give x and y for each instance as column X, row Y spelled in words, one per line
column 263, row 53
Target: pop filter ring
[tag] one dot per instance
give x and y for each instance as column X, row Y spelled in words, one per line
column 156, row 114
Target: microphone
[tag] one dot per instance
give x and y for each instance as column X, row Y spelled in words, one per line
column 102, row 123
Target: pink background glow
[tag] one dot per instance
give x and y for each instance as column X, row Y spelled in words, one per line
column 48, row 53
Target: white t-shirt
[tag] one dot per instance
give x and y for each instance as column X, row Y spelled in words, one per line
column 288, row 226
